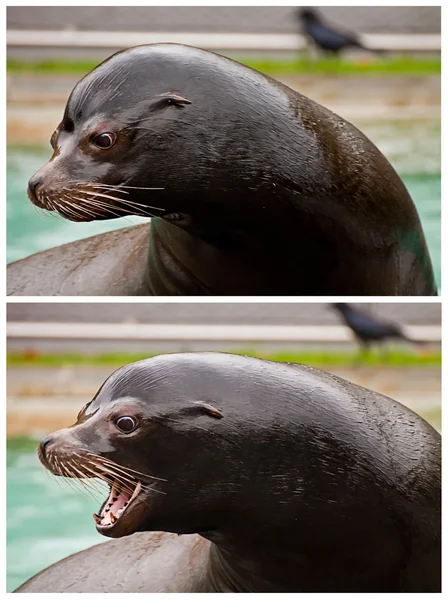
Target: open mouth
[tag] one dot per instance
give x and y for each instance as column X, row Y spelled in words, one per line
column 119, row 503
column 124, row 510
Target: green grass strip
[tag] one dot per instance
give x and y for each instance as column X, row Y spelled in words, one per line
column 391, row 65
column 322, row 359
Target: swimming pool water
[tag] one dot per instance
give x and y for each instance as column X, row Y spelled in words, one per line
column 47, row 520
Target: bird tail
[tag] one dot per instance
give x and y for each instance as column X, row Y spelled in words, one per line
column 357, row 44
column 401, row 335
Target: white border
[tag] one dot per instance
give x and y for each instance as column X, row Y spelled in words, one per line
column 237, row 299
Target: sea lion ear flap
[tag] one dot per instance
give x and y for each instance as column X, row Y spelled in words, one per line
column 208, row 409
column 174, row 98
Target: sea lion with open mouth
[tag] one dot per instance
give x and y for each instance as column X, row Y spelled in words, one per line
column 284, row 478
column 253, row 189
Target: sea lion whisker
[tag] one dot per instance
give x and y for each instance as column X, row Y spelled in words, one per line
column 82, row 185
column 92, row 471
column 51, row 207
column 124, row 201
column 118, row 186
column 94, row 201
column 106, row 188
column 128, row 468
column 64, row 205
column 90, row 485
column 122, row 474
column 124, row 485
column 80, row 206
column 136, row 187
column 81, row 474
column 68, row 199
column 91, row 203
column 66, row 478
column 119, row 471
column 64, row 482
column 77, row 207
column 49, row 202
column 86, row 479
column 91, row 490
column 127, row 201
column 100, row 195
column 117, row 481
column 42, row 211
column 72, row 482
column 60, row 481
column 64, row 470
column 125, row 482
column 54, row 460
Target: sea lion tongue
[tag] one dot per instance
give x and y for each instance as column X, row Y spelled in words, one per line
column 116, row 504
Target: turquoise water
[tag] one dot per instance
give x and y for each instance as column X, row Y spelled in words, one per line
column 413, row 147
column 46, row 519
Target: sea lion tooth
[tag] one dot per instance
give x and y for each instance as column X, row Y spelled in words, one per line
column 97, row 518
column 112, row 517
column 136, row 491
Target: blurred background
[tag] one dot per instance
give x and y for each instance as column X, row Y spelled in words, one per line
column 390, row 89
column 60, row 354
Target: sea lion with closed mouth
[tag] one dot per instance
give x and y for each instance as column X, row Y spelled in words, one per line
column 280, row 478
column 254, row 189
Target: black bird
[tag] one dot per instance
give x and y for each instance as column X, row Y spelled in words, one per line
column 367, row 329
column 325, row 37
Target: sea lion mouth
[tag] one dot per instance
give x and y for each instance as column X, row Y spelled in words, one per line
column 129, row 491
column 120, row 501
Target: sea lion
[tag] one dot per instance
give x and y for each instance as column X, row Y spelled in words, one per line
column 253, row 188
column 283, row 478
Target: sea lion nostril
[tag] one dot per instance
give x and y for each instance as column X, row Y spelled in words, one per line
column 33, row 184
column 44, row 443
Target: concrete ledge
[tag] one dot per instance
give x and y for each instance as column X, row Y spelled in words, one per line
column 217, row 333
column 211, row 41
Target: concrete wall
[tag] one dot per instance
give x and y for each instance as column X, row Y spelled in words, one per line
column 241, row 19
column 217, row 313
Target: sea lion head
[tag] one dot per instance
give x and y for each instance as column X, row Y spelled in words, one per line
column 177, row 447
column 155, row 131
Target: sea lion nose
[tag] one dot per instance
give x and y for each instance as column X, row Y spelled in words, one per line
column 44, row 443
column 33, row 183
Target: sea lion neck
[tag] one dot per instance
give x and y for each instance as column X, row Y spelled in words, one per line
column 218, row 263
column 252, row 567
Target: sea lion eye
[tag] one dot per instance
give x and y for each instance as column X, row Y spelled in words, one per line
column 126, row 424
column 104, row 140
column 53, row 140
